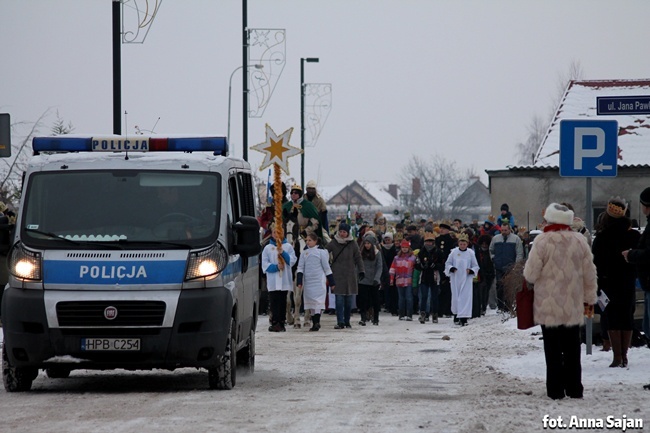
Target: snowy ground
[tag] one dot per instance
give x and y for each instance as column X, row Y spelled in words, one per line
column 396, row 377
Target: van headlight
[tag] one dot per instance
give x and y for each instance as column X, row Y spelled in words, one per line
column 206, row 263
column 25, row 264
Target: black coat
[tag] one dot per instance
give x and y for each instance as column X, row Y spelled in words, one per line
column 427, row 262
column 640, row 256
column 616, row 277
column 486, row 267
column 444, row 244
column 388, row 254
column 417, row 242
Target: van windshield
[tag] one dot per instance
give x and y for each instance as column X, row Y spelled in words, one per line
column 121, row 207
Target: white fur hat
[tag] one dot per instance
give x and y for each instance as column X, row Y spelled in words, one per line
column 558, row 214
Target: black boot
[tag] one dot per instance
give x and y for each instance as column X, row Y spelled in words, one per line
column 315, row 320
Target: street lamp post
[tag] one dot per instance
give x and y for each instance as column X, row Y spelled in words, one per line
column 230, row 102
column 302, row 116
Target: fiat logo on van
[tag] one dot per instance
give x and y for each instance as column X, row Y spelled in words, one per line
column 110, row 313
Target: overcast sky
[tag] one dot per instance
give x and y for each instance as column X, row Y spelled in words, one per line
column 461, row 79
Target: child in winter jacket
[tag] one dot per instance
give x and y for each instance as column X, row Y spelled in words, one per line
column 401, row 274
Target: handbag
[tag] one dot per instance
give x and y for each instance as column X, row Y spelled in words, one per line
column 525, row 298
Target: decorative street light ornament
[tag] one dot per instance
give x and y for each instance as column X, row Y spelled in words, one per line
column 276, row 149
column 318, row 104
column 266, row 47
column 139, row 17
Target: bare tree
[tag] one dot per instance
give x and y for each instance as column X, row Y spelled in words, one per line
column 11, row 174
column 574, row 72
column 59, row 127
column 538, row 126
column 22, row 134
column 431, row 186
column 536, row 131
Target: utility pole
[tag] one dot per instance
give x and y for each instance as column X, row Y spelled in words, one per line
column 245, row 79
column 117, row 69
column 302, row 116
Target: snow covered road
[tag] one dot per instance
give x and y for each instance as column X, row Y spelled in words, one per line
column 398, row 376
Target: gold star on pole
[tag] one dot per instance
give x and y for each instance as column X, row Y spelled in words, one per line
column 276, row 149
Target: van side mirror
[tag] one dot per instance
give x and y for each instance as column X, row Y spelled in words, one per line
column 247, row 237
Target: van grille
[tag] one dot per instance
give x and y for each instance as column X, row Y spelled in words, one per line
column 129, row 313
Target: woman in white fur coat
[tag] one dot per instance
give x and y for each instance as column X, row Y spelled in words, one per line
column 561, row 267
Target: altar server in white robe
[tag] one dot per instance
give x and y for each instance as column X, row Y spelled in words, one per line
column 279, row 281
column 461, row 267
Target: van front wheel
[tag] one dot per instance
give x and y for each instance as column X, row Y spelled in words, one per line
column 224, row 374
column 16, row 379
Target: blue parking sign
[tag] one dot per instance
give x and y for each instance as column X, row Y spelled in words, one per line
column 588, row 148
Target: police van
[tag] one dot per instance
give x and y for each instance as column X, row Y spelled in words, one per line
column 132, row 253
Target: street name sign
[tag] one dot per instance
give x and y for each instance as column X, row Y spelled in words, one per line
column 612, row 105
column 588, row 148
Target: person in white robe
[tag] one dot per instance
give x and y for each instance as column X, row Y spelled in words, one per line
column 461, row 267
column 279, row 281
column 313, row 270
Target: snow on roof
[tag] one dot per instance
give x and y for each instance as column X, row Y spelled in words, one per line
column 579, row 102
column 327, row 192
column 379, row 190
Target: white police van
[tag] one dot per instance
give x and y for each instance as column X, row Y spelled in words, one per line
column 132, row 253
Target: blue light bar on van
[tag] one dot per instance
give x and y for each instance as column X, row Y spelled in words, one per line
column 62, row 143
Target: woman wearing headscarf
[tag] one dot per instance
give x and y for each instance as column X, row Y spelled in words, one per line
column 373, row 265
column 561, row 267
column 347, row 268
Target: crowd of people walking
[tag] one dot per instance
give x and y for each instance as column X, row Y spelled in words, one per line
column 425, row 270
column 434, row 269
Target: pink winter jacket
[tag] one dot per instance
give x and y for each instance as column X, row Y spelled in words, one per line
column 561, row 266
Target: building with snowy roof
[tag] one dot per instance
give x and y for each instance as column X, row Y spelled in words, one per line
column 364, row 197
column 528, row 189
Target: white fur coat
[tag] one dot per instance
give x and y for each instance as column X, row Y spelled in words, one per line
column 561, row 267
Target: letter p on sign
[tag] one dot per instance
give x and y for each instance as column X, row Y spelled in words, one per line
column 580, row 152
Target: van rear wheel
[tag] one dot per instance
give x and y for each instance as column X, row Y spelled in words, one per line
column 224, row 374
column 16, row 379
